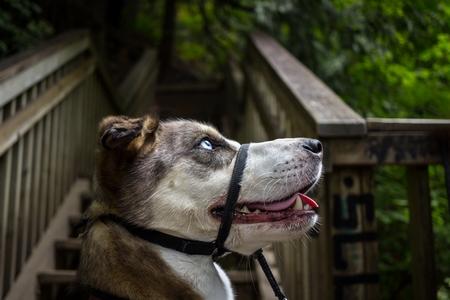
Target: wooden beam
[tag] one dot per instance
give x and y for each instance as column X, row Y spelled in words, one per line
column 331, row 116
column 137, row 77
column 353, row 233
column 398, row 124
column 15, row 127
column 421, row 234
column 400, row 148
column 13, row 65
column 17, row 78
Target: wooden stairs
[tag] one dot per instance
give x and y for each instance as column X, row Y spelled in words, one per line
column 61, row 282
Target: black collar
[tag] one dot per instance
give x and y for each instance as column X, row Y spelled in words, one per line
column 191, row 247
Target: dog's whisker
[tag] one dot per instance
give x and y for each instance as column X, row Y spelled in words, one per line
column 273, row 187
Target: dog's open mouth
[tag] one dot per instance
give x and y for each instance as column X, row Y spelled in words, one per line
column 295, row 206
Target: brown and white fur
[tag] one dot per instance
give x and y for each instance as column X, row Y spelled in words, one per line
column 160, row 175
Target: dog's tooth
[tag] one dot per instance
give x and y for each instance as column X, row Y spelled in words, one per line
column 244, row 209
column 298, row 203
column 257, row 211
column 307, row 207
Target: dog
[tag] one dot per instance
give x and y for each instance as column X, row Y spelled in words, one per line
column 172, row 176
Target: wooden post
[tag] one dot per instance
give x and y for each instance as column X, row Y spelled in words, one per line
column 353, row 233
column 421, row 234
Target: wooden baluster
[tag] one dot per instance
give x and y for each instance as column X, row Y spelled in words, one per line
column 5, row 193
column 36, row 200
column 53, row 179
column 14, row 207
column 68, row 139
column 77, row 145
column 320, row 259
column 73, row 133
column 421, row 233
column 26, row 171
column 60, row 153
column 354, row 234
column 45, row 176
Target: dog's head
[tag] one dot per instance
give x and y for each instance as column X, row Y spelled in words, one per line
column 173, row 176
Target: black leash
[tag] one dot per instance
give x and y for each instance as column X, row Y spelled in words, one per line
column 269, row 275
column 214, row 248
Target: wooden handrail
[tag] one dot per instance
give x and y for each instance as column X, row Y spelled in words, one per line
column 21, row 72
column 15, row 128
column 317, row 103
column 136, row 78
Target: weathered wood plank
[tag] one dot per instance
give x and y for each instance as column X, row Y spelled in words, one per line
column 36, row 188
column 331, row 116
column 421, row 234
column 137, row 76
column 14, row 206
column 353, row 232
column 54, row 176
column 44, row 178
column 261, row 97
column 13, row 65
column 16, row 127
column 42, row 65
column 25, row 216
column 5, row 190
column 401, row 148
column 398, row 124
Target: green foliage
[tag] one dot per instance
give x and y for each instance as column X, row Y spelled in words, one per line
column 207, row 31
column 21, row 25
column 148, row 19
column 393, row 220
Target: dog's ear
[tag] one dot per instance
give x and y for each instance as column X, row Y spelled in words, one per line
column 128, row 134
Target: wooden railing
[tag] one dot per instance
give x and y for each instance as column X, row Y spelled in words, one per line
column 282, row 98
column 51, row 100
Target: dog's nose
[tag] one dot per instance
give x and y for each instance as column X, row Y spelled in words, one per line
column 313, row 146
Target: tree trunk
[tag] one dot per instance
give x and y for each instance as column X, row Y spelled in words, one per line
column 167, row 40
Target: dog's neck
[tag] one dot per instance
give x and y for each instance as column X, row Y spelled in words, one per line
column 205, row 276
column 116, row 262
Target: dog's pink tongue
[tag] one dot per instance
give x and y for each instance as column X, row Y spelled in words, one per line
column 273, row 206
column 282, row 205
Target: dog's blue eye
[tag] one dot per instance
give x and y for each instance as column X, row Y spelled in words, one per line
column 206, row 144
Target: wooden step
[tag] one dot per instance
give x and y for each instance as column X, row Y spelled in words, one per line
column 67, row 253
column 244, row 284
column 62, row 284
column 86, row 200
column 75, row 225
column 59, row 284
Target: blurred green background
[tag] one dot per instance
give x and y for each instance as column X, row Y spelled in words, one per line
column 384, row 58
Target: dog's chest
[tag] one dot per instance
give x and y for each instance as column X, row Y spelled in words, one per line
column 205, row 276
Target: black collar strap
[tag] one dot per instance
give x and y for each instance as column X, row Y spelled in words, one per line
column 234, row 189
column 187, row 246
column 215, row 248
